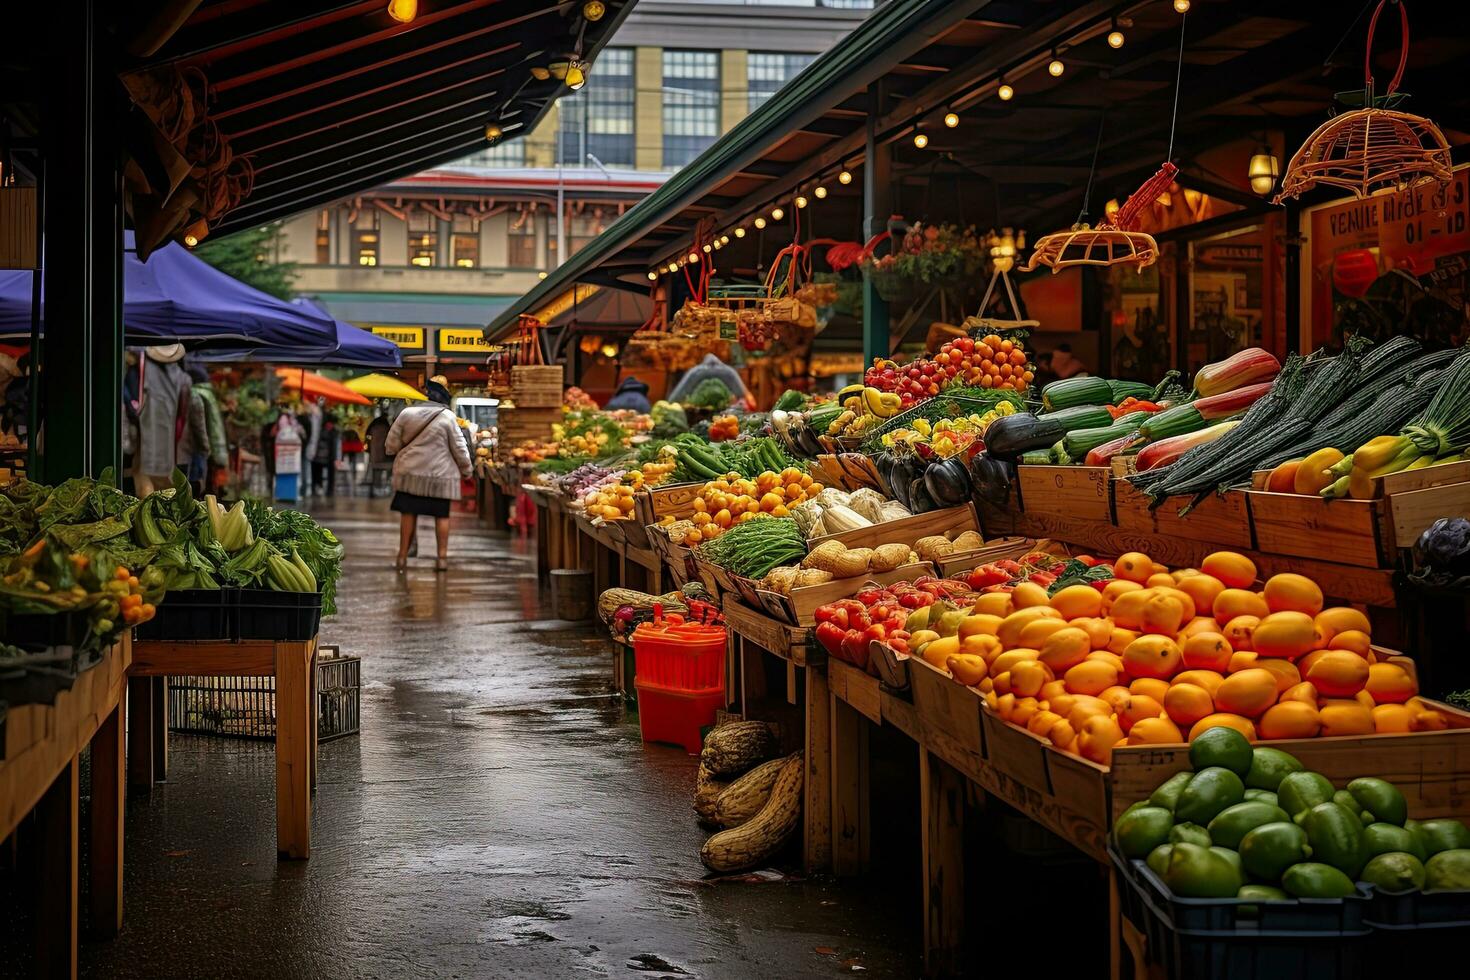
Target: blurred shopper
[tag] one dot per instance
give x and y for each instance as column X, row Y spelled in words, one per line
column 325, row 456
column 162, row 416
column 429, row 461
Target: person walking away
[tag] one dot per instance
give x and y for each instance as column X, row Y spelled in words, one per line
column 204, row 449
column 310, row 418
column 429, row 461
column 379, row 460
column 631, row 394
column 287, row 437
column 324, row 458
column 217, row 473
column 352, row 450
column 162, row 416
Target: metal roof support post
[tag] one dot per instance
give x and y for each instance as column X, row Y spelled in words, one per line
column 83, row 347
column 877, row 157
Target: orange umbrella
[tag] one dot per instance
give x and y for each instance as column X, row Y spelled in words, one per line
column 313, row 385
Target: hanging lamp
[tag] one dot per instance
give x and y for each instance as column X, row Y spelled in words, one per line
column 1373, row 148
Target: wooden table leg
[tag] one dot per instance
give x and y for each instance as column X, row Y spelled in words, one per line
column 544, row 550
column 850, row 822
column 942, row 802
column 816, row 813
column 105, row 856
column 159, row 739
column 752, row 676
column 293, row 750
column 56, row 903
column 141, row 755
column 315, row 701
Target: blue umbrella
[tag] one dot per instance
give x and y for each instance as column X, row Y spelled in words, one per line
column 175, row 297
column 355, row 348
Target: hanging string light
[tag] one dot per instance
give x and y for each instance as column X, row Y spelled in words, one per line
column 845, row 177
column 951, row 120
column 1055, row 67
column 760, row 222
column 921, row 139
column 821, row 191
column 403, row 11
column 1115, row 36
column 493, row 132
column 777, row 214
column 653, row 277
column 800, row 201
column 740, row 232
column 1005, row 93
column 1181, row 6
column 708, row 248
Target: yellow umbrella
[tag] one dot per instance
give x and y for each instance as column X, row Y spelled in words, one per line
column 383, row 386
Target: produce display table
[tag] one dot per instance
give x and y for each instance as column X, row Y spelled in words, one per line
column 39, row 772
column 642, row 569
column 783, row 679
column 292, row 665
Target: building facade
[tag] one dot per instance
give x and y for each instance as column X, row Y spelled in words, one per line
column 429, row 260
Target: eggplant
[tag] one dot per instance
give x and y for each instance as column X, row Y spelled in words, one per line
column 806, row 440
column 900, row 477
column 991, row 479
column 1011, row 435
column 920, row 502
column 884, row 461
column 947, row 482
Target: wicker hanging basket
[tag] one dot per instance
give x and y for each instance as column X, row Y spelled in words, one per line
column 1374, row 148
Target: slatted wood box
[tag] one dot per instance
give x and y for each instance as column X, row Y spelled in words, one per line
column 799, row 607
column 516, row 425
column 1219, row 518
column 537, row 385
column 949, row 717
column 1081, row 492
column 906, row 530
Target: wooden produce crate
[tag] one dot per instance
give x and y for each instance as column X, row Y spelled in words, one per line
column 857, row 688
column 1078, row 491
column 965, row 561
column 850, row 471
column 906, row 530
column 1411, row 512
column 782, row 639
column 635, row 531
column 1221, row 519
column 798, row 607
column 537, row 385
column 1353, row 532
column 949, row 718
column 674, row 500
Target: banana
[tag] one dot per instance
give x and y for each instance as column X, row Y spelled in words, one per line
column 850, row 391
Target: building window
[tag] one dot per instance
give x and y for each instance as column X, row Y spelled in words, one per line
column 367, row 239
column 465, row 249
column 423, row 238
column 767, row 72
column 507, row 153
column 520, row 252
column 324, row 238
column 598, row 120
column 691, row 104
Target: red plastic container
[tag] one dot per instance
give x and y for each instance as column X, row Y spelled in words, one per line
column 683, row 657
column 676, row 717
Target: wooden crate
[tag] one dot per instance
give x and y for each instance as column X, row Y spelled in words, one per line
column 961, row 562
column 949, row 717
column 635, row 532
column 798, row 607
column 537, row 385
column 782, row 639
column 516, row 425
column 1411, row 512
column 674, row 500
column 1353, row 532
column 906, row 530
column 1080, row 491
column 1220, row 518
column 857, row 688
column 850, row 471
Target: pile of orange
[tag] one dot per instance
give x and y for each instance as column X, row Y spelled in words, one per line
column 732, row 499
column 1160, row 656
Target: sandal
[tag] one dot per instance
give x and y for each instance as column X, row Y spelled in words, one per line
column 442, row 565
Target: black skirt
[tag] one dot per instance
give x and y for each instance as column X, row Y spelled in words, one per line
column 412, row 503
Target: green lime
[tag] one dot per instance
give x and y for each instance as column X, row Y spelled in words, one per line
column 1271, row 848
column 1223, row 747
column 1444, row 835
column 1449, row 870
column 1210, row 791
column 1232, row 823
column 1312, row 880
column 1142, row 830
column 1395, row 871
column 1380, row 798
column 1198, row 872
column 1269, row 766
column 1300, row 791
column 1167, row 795
column 1191, row 833
column 1385, row 838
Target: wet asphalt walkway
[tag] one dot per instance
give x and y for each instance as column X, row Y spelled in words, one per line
column 498, row 816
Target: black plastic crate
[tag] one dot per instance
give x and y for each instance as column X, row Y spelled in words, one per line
column 245, row 707
column 1205, row 938
column 1431, row 923
column 265, row 614
column 194, row 614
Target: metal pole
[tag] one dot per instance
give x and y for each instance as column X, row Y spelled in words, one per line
column 876, row 191
column 561, row 199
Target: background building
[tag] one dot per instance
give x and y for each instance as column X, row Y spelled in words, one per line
column 429, row 260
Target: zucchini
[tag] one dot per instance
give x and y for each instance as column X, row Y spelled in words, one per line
column 1011, row 435
column 1079, row 442
column 1123, row 390
column 1079, row 417
column 1176, row 421
column 1037, row 457
column 1134, row 419
column 1071, row 392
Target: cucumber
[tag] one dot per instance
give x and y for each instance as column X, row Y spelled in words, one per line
column 1071, row 392
column 1078, row 417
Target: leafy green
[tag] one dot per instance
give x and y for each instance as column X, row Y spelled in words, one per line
column 712, row 394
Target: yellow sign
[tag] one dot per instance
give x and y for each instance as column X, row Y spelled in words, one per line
column 410, row 338
column 565, row 301
column 464, row 340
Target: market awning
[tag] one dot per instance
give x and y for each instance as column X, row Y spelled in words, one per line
column 313, row 385
column 355, row 348
column 382, row 386
column 177, row 297
column 1249, row 66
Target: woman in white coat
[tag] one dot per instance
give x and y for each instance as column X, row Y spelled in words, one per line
column 429, row 461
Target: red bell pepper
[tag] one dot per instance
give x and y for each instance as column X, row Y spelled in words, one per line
column 830, row 635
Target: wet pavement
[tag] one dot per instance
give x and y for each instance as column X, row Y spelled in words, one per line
column 498, row 816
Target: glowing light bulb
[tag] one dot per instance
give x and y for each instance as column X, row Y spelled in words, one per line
column 740, row 232
column 951, row 119
column 1055, row 68
column 1181, row 6
column 800, row 201
column 844, row 178
column 540, row 275
column 493, row 132
column 653, row 277
column 821, row 192
column 777, row 214
column 707, row 249
column 760, row 222
column 403, row 11
column 693, row 256
column 724, row 239
column 921, row 140
column 1115, row 38
column 1005, row 92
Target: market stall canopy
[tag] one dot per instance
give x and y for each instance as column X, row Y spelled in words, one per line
column 313, row 385
column 176, row 297
column 356, row 347
column 1249, row 66
column 382, row 386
